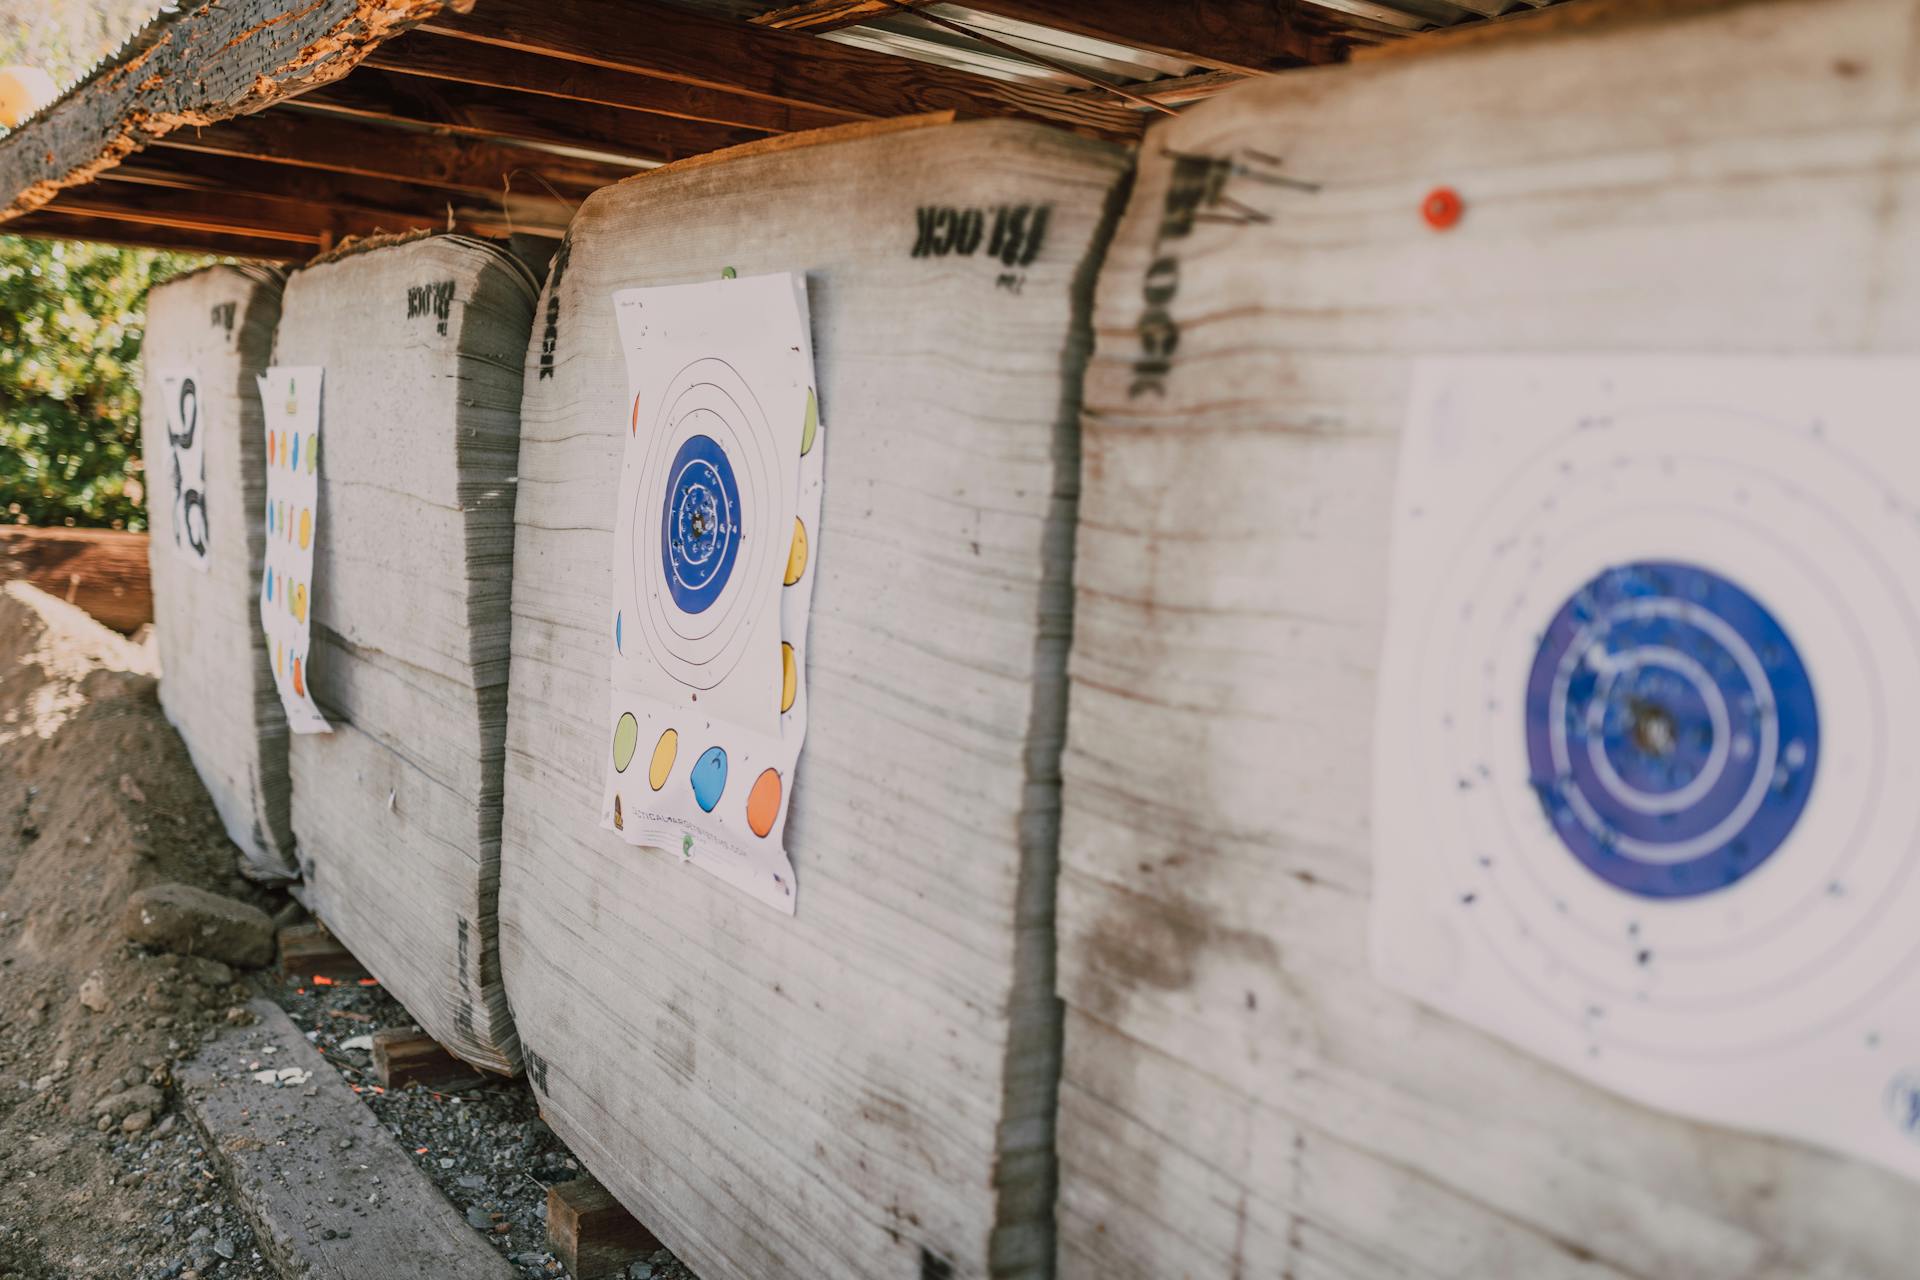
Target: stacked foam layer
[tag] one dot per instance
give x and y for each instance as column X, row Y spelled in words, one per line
column 1241, row 1096
column 215, row 326
column 397, row 811
column 865, row 1089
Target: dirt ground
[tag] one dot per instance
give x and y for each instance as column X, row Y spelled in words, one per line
column 100, row 1175
column 97, row 799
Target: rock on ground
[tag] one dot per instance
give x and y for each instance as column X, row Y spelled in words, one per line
column 191, row 921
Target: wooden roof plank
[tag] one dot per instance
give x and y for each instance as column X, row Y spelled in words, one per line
column 262, row 217
column 823, row 15
column 470, row 165
column 428, row 56
column 204, row 64
column 646, row 37
column 1252, row 36
column 46, row 224
column 465, row 110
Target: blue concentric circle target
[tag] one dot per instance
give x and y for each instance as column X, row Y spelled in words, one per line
column 700, row 529
column 1672, row 730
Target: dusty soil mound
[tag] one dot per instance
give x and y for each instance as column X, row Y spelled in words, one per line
column 98, row 799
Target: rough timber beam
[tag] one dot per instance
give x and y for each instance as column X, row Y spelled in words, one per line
column 646, row 37
column 213, row 60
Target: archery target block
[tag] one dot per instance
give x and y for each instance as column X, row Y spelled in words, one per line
column 1700, row 181
column 397, row 810
column 865, row 1089
column 215, row 686
column 1636, row 806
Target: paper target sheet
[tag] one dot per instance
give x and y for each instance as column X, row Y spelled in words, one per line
column 185, row 475
column 713, row 566
column 1645, row 753
column 290, row 400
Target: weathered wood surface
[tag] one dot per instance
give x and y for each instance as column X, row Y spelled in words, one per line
column 104, row 571
column 397, row 811
column 206, row 63
column 1240, row 1097
column 215, row 684
column 867, row 1089
column 330, row 1194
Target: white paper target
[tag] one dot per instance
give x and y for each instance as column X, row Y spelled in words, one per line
column 1644, row 798
column 708, row 496
column 720, row 483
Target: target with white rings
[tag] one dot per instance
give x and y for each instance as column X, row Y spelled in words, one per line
column 703, row 523
column 1672, row 730
column 1641, row 799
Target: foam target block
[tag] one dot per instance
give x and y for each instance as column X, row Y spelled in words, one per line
column 208, row 335
column 864, row 1089
column 397, row 810
column 1242, row 1095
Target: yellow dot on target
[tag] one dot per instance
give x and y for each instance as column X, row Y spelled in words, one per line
column 664, row 752
column 306, row 527
column 789, row 678
column 797, row 555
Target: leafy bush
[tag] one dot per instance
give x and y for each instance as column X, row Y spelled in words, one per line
column 71, row 320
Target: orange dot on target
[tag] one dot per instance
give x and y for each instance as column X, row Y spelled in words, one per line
column 763, row 802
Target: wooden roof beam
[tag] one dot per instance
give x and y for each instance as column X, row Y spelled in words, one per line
column 1248, row 36
column 47, row 224
column 231, row 212
column 646, row 37
column 463, row 110
column 374, row 197
column 823, row 15
column 472, row 166
column 428, row 56
column 1253, row 36
column 206, row 63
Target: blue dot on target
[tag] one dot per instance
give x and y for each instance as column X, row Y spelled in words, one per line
column 709, row 778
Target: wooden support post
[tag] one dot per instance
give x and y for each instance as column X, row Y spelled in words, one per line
column 309, row 953
column 403, row 1056
column 591, row 1232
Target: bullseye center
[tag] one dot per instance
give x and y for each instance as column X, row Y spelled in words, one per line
column 1654, row 731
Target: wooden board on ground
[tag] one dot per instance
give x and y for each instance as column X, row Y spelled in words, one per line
column 328, row 1190
column 403, row 1056
column 215, row 685
column 592, row 1233
column 397, row 811
column 1240, row 1097
column 308, row 953
column 866, row 1089
column 103, row 571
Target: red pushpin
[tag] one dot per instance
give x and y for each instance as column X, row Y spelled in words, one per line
column 1442, row 208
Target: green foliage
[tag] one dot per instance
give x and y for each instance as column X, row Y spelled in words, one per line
column 71, row 320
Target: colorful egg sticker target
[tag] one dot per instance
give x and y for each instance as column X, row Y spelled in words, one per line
column 290, row 403
column 712, row 558
column 1642, row 777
